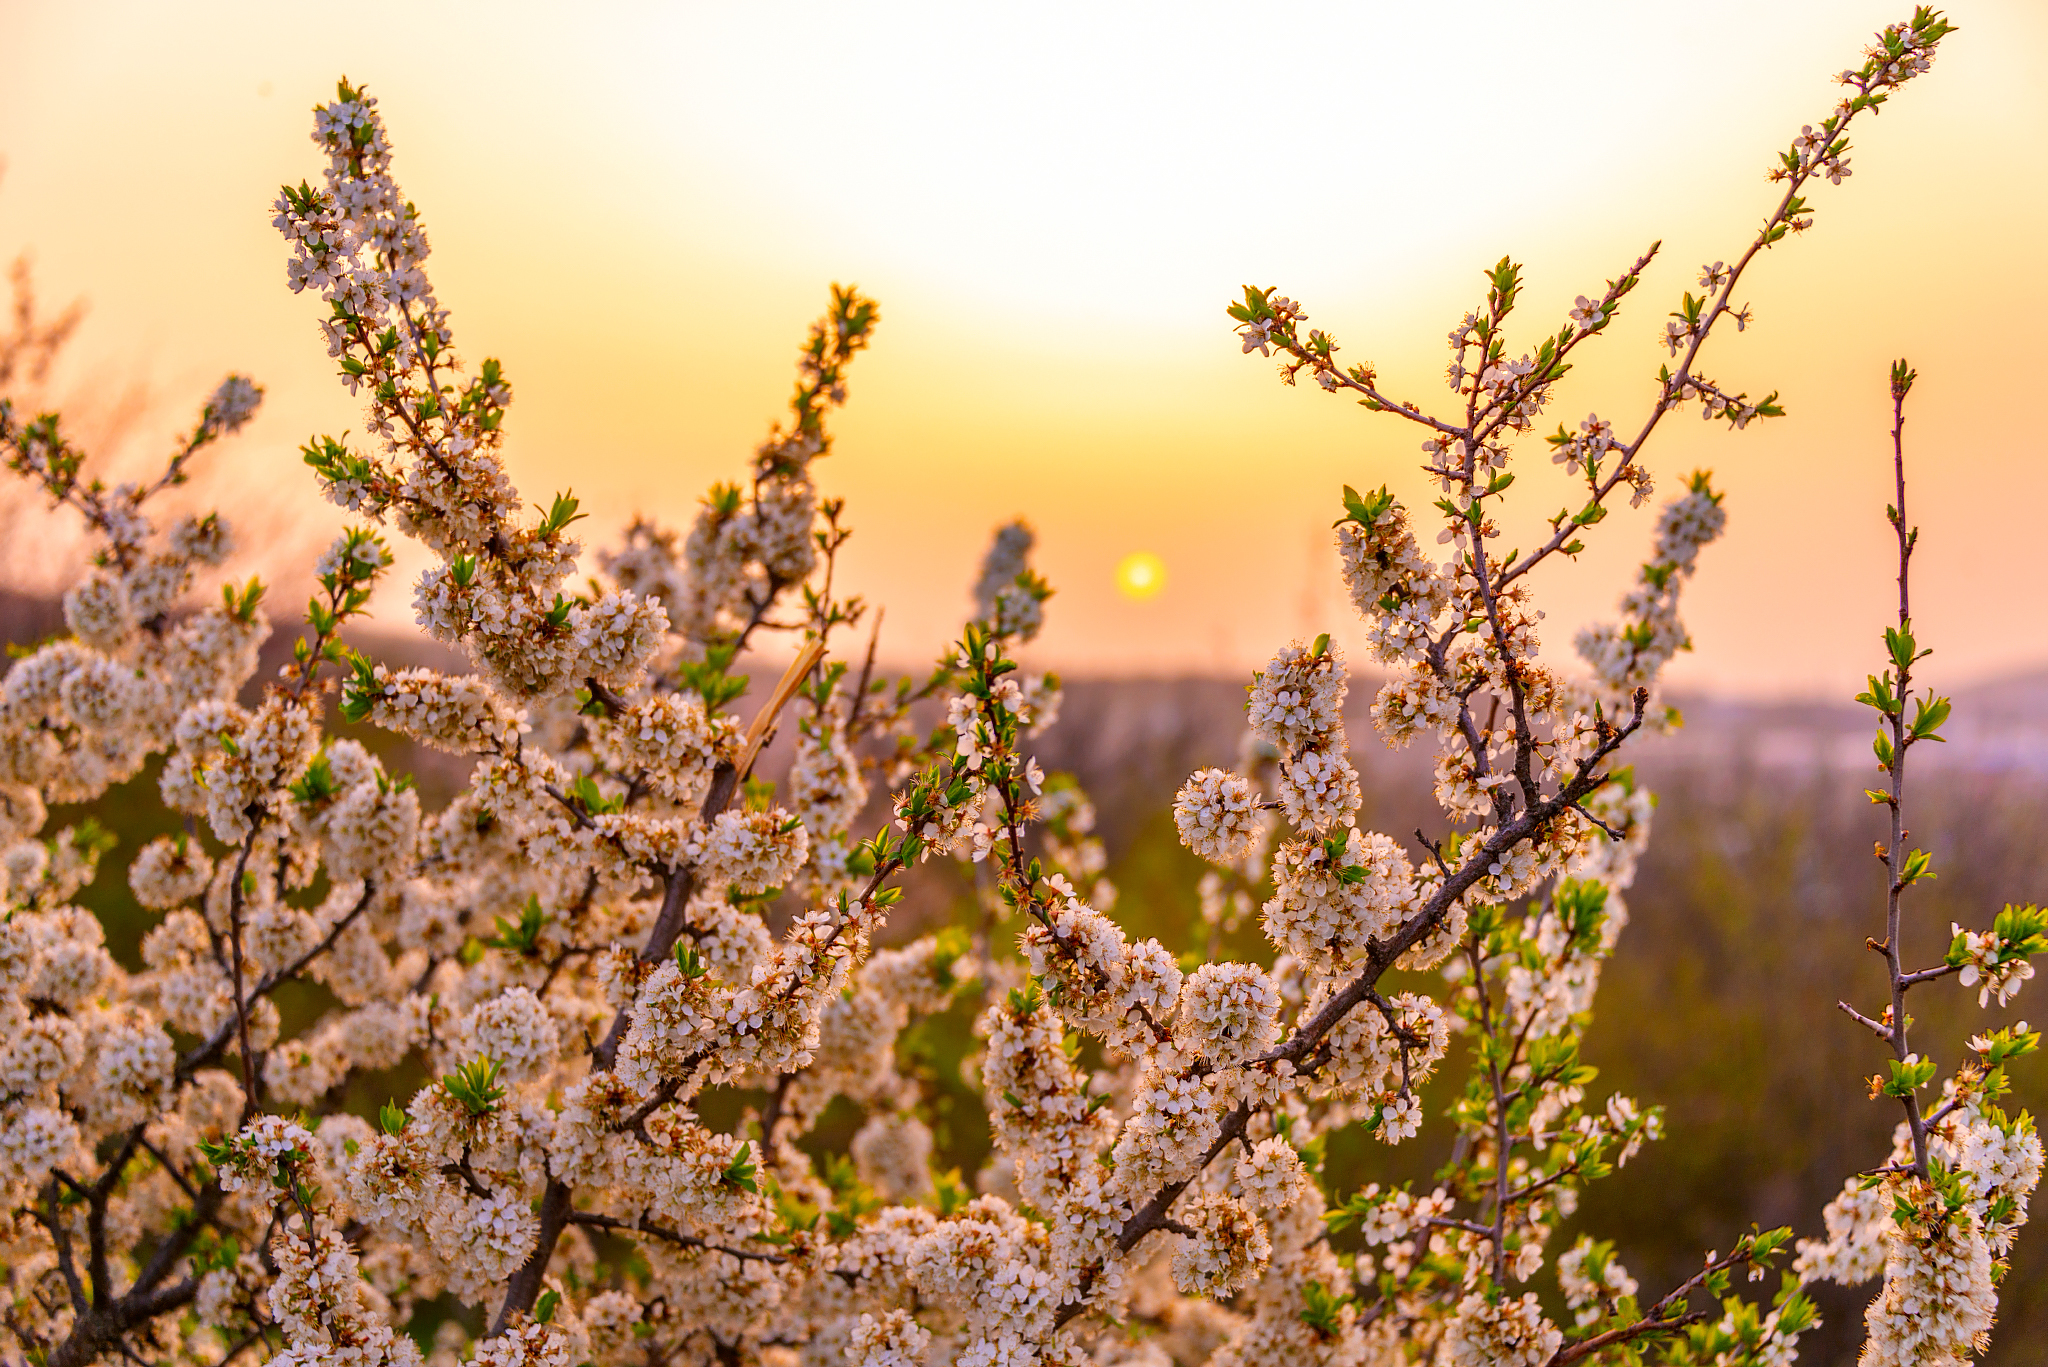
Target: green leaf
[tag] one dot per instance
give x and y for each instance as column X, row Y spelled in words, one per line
column 1368, row 510
column 1900, row 645
column 1322, row 1310
column 1928, row 715
column 1919, row 864
column 317, row 785
column 1908, row 1076
column 558, row 515
column 1880, row 696
column 740, row 1173
column 521, row 937
column 949, row 1193
column 592, row 799
column 2021, row 930
column 475, row 1085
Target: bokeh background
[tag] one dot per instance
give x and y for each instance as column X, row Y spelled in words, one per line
column 639, row 207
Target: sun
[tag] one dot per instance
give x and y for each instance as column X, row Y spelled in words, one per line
column 1140, row 575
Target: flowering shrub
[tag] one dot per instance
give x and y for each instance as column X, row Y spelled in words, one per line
column 582, row 946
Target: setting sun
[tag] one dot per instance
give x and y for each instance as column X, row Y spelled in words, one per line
column 1140, row 575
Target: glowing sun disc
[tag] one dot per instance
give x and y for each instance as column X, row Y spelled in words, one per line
column 1140, row 575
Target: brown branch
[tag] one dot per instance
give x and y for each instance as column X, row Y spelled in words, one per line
column 867, row 672
column 524, row 1288
column 1928, row 975
column 241, row 1002
column 1902, row 739
column 104, row 1326
column 1627, row 1334
column 588, row 1220
column 1878, row 1028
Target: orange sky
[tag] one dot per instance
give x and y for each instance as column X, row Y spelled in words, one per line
column 639, row 208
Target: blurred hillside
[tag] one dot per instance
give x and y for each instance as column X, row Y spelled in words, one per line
column 1747, row 920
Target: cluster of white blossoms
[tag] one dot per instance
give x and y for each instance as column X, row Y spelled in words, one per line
column 1935, row 1240
column 1008, row 595
column 1994, row 961
column 1216, row 812
column 1624, row 655
column 437, row 471
column 644, row 984
column 81, row 714
column 1593, row 1279
column 577, row 944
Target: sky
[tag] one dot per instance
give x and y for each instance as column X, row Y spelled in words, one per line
column 639, row 208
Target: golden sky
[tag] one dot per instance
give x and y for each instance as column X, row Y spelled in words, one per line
column 639, row 208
